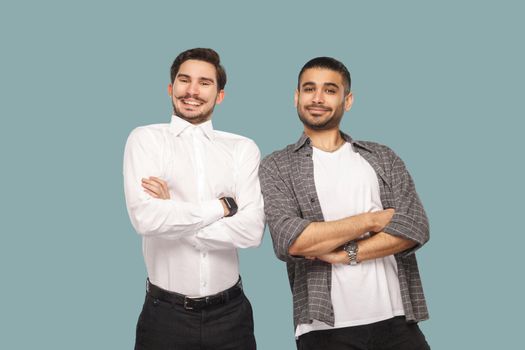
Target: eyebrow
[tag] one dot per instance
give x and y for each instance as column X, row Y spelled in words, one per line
column 200, row 78
column 332, row 85
column 207, row 79
column 308, row 83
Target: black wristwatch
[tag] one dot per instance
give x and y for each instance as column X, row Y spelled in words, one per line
column 232, row 206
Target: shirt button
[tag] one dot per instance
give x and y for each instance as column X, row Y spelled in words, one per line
column 312, row 200
column 204, row 254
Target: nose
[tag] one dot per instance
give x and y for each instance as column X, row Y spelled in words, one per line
column 193, row 88
column 318, row 97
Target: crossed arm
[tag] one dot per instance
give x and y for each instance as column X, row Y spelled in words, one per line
column 158, row 188
column 324, row 240
column 378, row 245
column 295, row 237
column 154, row 214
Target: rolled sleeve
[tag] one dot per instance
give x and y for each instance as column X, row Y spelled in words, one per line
column 410, row 220
column 281, row 209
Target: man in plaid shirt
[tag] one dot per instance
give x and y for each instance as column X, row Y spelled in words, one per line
column 345, row 217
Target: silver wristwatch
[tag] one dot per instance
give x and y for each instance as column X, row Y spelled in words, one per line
column 351, row 248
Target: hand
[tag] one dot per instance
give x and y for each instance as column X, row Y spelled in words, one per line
column 381, row 218
column 335, row 257
column 155, row 187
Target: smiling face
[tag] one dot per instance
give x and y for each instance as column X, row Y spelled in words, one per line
column 194, row 91
column 321, row 100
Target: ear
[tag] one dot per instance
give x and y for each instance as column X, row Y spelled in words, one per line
column 349, row 100
column 296, row 98
column 170, row 90
column 220, row 97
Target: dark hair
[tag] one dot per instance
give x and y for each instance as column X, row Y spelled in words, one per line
column 328, row 63
column 201, row 54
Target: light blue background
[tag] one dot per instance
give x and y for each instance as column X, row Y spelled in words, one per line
column 439, row 82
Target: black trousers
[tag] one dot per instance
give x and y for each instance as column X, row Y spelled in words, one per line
column 163, row 326
column 391, row 334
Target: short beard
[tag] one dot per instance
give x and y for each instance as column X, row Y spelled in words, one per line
column 198, row 119
column 331, row 123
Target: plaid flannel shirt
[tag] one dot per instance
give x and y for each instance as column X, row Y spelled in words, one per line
column 291, row 203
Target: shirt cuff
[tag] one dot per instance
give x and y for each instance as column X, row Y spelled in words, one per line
column 211, row 211
column 402, row 226
column 299, row 226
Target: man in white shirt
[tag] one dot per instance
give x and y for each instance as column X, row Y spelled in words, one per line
column 193, row 194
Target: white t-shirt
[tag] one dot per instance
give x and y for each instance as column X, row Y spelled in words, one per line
column 368, row 292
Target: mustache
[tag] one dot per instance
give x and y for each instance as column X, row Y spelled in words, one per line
column 193, row 97
column 318, row 107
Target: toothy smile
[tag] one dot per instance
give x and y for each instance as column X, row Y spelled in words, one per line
column 191, row 103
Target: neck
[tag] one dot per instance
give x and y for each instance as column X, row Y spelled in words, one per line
column 194, row 121
column 327, row 140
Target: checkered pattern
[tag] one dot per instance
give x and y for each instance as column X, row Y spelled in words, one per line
column 291, row 203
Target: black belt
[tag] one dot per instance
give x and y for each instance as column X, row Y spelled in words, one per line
column 194, row 303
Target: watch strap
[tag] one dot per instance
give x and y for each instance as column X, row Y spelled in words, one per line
column 351, row 248
column 231, row 204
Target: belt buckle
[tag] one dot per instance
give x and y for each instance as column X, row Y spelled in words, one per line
column 186, row 304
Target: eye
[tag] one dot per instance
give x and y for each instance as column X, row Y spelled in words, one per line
column 308, row 89
column 184, row 80
column 330, row 91
column 205, row 83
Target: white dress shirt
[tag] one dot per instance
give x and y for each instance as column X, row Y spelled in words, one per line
column 188, row 246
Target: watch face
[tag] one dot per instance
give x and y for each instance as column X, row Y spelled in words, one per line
column 231, row 202
column 350, row 247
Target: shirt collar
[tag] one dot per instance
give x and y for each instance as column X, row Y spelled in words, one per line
column 178, row 125
column 304, row 139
